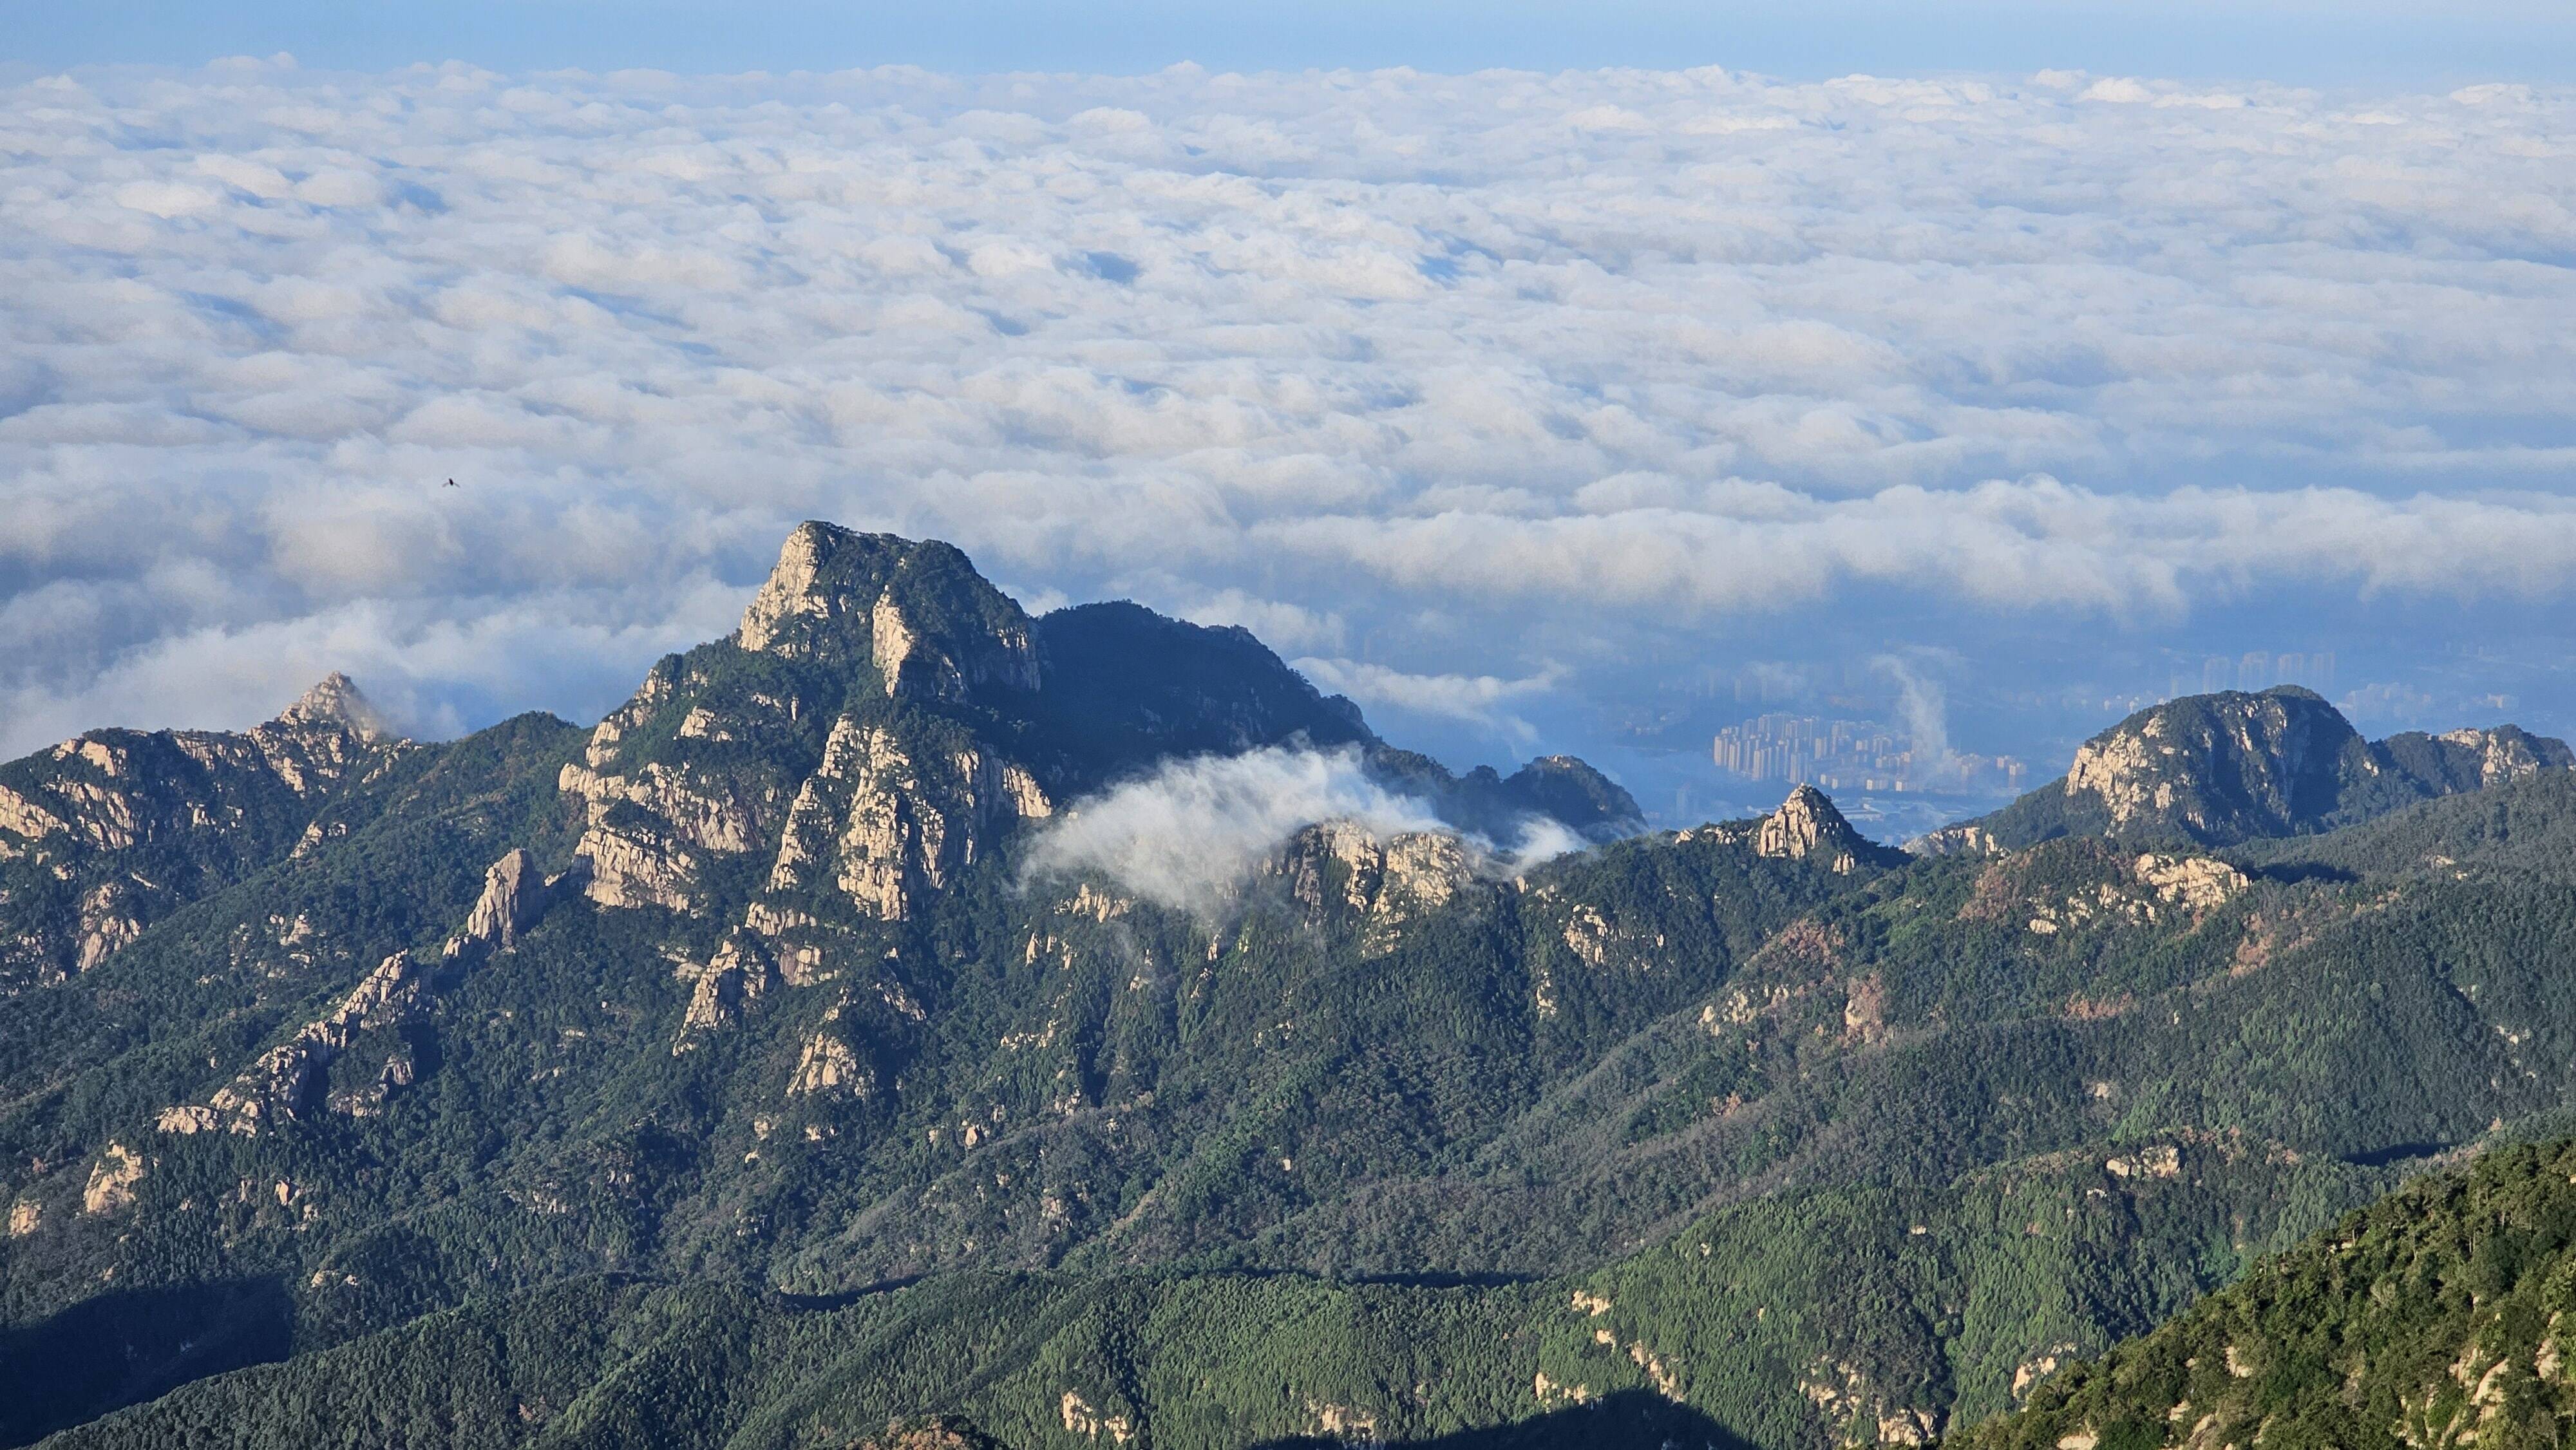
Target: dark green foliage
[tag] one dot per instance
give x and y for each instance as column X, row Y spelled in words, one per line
column 1883, row 1299
column 1909, row 1030
column 2437, row 1316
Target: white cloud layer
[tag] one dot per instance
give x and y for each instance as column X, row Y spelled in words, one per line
column 1333, row 355
column 1190, row 834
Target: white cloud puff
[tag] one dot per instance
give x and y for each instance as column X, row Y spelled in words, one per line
column 1440, row 378
column 1189, row 835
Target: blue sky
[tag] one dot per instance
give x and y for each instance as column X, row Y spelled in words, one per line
column 2298, row 41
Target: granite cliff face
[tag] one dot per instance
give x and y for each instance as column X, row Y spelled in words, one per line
column 918, row 615
column 1807, row 827
column 1341, row 871
column 2216, row 769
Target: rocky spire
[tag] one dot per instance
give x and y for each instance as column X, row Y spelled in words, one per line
column 337, row 704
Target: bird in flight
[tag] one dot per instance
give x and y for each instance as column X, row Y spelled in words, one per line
column 451, row 483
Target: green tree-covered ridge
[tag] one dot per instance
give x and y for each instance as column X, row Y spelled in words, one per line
column 544, row 1004
column 2438, row 1316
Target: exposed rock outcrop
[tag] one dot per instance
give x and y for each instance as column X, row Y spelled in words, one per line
column 739, row 972
column 285, row 1082
column 1967, row 838
column 2197, row 884
column 2071, row 885
column 884, row 822
column 335, row 708
column 917, row 613
column 112, row 1180
column 1386, row 883
column 827, row 1065
column 649, row 823
column 515, row 895
column 108, row 921
column 2217, row 769
column 1807, row 827
column 2473, row 759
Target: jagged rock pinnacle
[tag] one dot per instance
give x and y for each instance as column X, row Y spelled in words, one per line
column 337, row 703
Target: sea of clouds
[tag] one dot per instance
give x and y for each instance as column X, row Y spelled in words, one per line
column 1437, row 383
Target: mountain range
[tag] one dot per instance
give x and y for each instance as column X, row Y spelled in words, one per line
column 879, row 1029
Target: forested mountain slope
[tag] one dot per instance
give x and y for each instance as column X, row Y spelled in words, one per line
column 767, row 1015
column 2438, row 1316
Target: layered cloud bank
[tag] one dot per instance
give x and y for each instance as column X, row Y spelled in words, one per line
column 1384, row 366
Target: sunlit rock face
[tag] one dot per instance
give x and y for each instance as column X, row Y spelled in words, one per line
column 917, row 613
column 1807, row 827
column 2248, row 761
column 2216, row 769
column 1380, row 883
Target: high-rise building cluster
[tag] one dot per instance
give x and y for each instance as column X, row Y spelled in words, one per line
column 1852, row 755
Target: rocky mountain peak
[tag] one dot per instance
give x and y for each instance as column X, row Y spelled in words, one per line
column 1808, row 827
column 2230, row 763
column 2235, row 766
column 1384, row 880
column 337, row 704
column 799, row 605
column 2473, row 759
column 916, row 613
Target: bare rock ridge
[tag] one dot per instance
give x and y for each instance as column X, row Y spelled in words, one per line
column 881, row 719
column 336, row 705
column 1807, row 827
column 847, row 793
column 2215, row 769
column 515, row 895
column 123, row 827
column 884, row 719
column 1342, row 869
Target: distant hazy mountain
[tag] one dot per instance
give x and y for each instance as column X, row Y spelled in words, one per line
column 752, row 1069
column 2216, row 769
